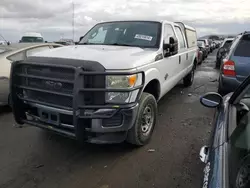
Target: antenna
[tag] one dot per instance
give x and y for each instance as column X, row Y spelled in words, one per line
column 4, row 39
column 73, row 20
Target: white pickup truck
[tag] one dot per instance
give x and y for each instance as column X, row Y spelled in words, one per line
column 106, row 88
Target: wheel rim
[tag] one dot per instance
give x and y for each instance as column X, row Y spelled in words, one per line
column 147, row 120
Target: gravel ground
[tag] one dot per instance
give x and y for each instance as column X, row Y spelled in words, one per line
column 30, row 157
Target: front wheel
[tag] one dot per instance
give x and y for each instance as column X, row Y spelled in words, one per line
column 142, row 130
column 189, row 79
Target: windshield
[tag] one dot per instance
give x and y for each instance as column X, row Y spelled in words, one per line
column 140, row 34
column 31, row 39
column 240, row 145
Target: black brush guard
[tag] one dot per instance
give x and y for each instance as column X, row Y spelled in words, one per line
column 73, row 89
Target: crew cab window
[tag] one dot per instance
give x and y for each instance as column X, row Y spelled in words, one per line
column 36, row 50
column 180, row 37
column 191, row 38
column 243, row 47
column 168, row 31
column 239, row 156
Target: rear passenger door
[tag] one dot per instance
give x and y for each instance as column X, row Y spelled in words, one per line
column 169, row 66
column 183, row 56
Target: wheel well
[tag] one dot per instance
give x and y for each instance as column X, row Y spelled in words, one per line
column 153, row 87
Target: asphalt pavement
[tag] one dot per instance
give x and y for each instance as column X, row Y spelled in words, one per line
column 30, row 157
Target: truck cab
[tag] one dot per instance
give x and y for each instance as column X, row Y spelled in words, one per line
column 106, row 88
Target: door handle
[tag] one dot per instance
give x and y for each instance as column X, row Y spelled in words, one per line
column 187, row 56
column 179, row 59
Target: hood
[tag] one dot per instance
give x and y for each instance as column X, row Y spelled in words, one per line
column 111, row 57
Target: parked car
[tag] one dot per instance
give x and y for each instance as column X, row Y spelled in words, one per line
column 202, row 47
column 222, row 51
column 105, row 90
column 235, row 67
column 15, row 52
column 208, row 48
column 227, row 156
column 211, row 47
column 32, row 37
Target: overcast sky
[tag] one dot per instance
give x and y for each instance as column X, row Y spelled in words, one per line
column 53, row 18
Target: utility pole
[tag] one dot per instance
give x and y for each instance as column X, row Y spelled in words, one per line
column 73, row 20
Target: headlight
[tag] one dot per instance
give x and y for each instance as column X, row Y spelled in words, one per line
column 123, row 82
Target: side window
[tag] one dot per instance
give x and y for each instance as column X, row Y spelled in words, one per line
column 243, row 46
column 168, row 31
column 180, row 37
column 17, row 57
column 33, row 51
column 191, row 38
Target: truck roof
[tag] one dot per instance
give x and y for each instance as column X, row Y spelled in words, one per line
column 151, row 20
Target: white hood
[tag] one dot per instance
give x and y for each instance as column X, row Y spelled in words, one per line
column 111, row 57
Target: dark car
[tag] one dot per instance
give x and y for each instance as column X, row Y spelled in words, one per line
column 222, row 50
column 202, row 47
column 236, row 64
column 227, row 157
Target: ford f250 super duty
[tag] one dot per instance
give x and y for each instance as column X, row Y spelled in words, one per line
column 106, row 88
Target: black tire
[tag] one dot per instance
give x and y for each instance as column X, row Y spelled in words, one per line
column 189, row 79
column 136, row 134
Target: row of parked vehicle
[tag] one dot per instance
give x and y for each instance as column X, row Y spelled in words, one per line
column 106, row 88
column 206, row 46
column 227, row 157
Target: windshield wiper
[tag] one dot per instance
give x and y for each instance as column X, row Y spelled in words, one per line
column 87, row 43
column 120, row 44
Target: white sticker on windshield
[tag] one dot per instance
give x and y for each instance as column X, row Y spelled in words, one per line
column 143, row 37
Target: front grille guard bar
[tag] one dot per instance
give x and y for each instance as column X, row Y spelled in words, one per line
column 78, row 87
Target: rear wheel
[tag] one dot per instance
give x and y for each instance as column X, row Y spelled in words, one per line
column 142, row 130
column 189, row 79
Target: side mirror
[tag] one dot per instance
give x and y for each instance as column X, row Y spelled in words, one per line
column 80, row 38
column 170, row 48
column 211, row 100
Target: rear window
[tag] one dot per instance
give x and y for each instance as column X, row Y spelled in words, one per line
column 191, row 38
column 243, row 47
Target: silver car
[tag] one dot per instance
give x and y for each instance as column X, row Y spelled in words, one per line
column 16, row 52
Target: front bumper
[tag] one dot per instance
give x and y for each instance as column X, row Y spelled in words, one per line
column 109, row 130
column 76, row 106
